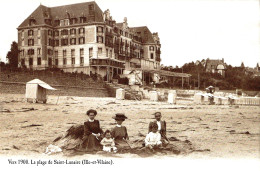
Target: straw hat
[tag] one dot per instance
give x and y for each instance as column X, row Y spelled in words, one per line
column 119, row 116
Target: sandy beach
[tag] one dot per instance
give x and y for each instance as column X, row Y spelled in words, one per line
column 215, row 131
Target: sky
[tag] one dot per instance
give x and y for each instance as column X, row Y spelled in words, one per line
column 189, row 30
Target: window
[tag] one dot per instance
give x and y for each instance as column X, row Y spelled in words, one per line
column 30, row 42
column 99, row 51
column 64, row 42
column 99, row 39
column 56, row 42
column 57, row 22
column 99, row 29
column 81, row 40
column 83, row 19
column 56, row 62
column 73, row 41
column 50, row 42
column 61, row 22
column 22, row 34
column 73, row 61
column 49, row 33
column 126, row 34
column 56, row 54
column 50, row 52
column 30, row 52
column 151, row 55
column 49, row 61
column 30, row 61
column 64, row 57
column 30, row 32
column 23, row 62
column 151, row 48
column 66, row 22
column 72, row 56
column 81, row 54
column 73, row 20
column 64, row 32
column 64, row 61
column 64, row 53
column 90, row 52
column 56, row 33
column 106, row 52
column 72, row 31
column 39, row 51
column 81, row 30
column 110, row 54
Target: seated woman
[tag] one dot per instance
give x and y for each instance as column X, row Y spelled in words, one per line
column 92, row 133
column 161, row 128
column 119, row 133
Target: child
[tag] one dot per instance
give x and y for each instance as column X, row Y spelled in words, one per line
column 108, row 142
column 153, row 139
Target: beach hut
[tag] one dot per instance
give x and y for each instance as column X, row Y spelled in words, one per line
column 36, row 91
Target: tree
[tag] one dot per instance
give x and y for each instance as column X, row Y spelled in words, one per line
column 242, row 65
column 12, row 55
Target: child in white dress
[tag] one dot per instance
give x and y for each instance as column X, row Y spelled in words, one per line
column 108, row 142
column 153, row 138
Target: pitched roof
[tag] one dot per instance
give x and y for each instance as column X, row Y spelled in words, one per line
column 146, row 34
column 61, row 12
column 214, row 62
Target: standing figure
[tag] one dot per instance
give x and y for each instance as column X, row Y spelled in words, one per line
column 119, row 133
column 92, row 133
column 161, row 128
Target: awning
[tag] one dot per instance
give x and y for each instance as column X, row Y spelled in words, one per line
column 46, row 86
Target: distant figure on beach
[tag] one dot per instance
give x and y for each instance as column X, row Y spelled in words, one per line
column 92, row 133
column 119, row 133
column 161, row 128
column 153, row 138
column 108, row 142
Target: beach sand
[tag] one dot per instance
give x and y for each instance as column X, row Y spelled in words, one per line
column 215, row 131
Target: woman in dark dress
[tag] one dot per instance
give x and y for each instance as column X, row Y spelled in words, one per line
column 92, row 133
column 119, row 133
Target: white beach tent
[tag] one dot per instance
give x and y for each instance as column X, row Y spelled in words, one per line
column 36, row 90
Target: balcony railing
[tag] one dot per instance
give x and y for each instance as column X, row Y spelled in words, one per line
column 106, row 62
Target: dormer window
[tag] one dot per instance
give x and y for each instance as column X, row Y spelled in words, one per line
column 57, row 22
column 83, row 19
column 61, row 22
column 48, row 21
column 73, row 20
column 66, row 22
column 32, row 22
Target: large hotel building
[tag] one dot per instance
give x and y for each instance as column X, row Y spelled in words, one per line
column 83, row 38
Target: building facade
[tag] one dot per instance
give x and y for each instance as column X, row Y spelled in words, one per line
column 215, row 66
column 83, row 38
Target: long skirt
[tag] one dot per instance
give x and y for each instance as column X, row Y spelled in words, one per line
column 122, row 146
column 91, row 143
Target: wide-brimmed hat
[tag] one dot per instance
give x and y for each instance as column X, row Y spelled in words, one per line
column 91, row 111
column 119, row 116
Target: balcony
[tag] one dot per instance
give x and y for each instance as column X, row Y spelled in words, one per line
column 106, row 62
column 135, row 65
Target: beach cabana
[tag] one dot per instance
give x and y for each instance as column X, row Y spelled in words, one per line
column 36, row 91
